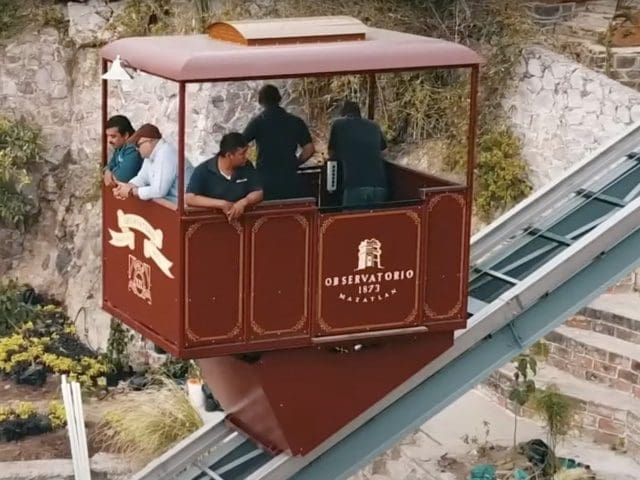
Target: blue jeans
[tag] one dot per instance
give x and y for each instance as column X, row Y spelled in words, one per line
column 363, row 196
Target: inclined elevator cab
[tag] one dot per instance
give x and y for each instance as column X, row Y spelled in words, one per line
column 337, row 307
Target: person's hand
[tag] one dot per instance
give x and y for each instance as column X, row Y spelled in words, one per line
column 225, row 206
column 109, row 181
column 236, row 210
column 122, row 191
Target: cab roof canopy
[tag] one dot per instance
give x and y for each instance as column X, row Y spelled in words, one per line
column 292, row 47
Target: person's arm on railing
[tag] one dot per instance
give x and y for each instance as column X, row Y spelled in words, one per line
column 193, row 200
column 240, row 206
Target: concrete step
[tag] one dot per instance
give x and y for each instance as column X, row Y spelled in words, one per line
column 602, row 414
column 596, row 358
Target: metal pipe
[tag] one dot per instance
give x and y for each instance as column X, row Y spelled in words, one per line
column 181, row 142
column 371, row 102
column 104, row 91
column 363, row 336
column 104, row 107
column 181, row 188
column 471, row 164
column 472, row 133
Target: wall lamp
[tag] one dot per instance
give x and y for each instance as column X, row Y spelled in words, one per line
column 118, row 71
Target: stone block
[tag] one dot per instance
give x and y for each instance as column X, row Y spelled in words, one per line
column 581, row 322
column 533, row 84
column 627, row 335
column 619, row 361
column 605, row 368
column 534, row 67
column 601, row 410
column 628, row 376
column 588, row 421
column 633, row 449
column 623, row 115
column 596, row 377
column 596, row 353
column 558, row 362
column 611, row 426
column 622, row 385
column 556, row 338
column 623, row 62
column 606, row 438
column 87, row 23
column 586, row 363
column 603, row 328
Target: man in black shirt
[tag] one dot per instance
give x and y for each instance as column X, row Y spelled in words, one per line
column 357, row 143
column 227, row 181
column 278, row 134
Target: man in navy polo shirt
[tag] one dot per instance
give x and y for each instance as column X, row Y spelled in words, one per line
column 227, row 181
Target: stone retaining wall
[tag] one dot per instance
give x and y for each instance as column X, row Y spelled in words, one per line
column 621, row 64
column 601, row 423
column 594, row 364
column 563, row 112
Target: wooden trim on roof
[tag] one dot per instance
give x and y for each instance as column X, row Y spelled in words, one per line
column 289, row 30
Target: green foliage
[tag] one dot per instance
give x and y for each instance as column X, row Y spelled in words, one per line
column 523, row 384
column 22, row 348
column 540, row 350
column 144, row 17
column 20, row 147
column 52, row 16
column 117, row 354
column 13, row 311
column 556, row 410
column 22, row 410
column 502, row 175
column 57, row 415
column 12, row 18
column 523, row 387
column 17, row 16
column 175, row 368
column 42, row 335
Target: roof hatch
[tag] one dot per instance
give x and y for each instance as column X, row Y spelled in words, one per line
column 289, row 30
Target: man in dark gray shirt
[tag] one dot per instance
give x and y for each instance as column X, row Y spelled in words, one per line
column 357, row 144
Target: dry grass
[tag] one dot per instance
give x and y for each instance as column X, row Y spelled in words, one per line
column 575, row 474
column 147, row 426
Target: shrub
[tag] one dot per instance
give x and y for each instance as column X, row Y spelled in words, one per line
column 13, row 311
column 502, row 175
column 143, row 17
column 57, row 415
column 20, row 147
column 117, row 355
column 12, row 17
column 24, row 349
column 147, row 426
column 23, row 419
column 556, row 410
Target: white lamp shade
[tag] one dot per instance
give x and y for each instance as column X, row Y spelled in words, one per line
column 117, row 71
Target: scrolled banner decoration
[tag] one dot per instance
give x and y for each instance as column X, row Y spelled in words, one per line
column 151, row 245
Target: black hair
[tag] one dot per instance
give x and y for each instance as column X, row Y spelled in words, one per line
column 232, row 142
column 269, row 96
column 122, row 123
column 350, row 109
